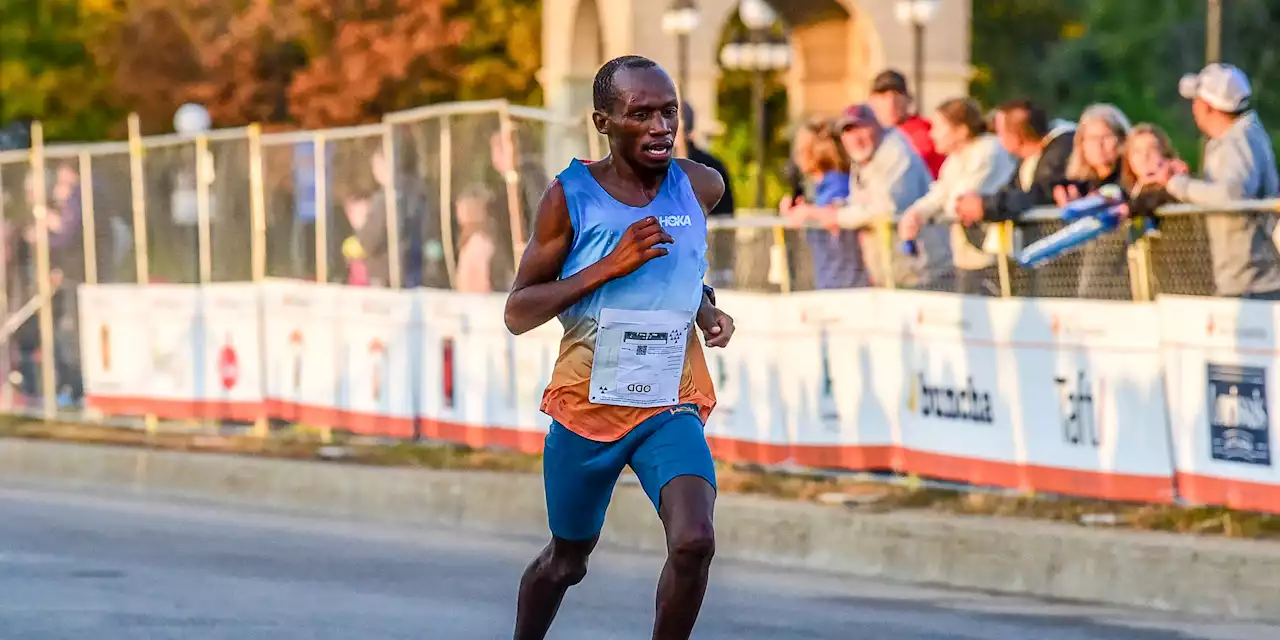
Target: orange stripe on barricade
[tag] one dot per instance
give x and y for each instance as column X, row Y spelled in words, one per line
column 177, row 409
column 1236, row 494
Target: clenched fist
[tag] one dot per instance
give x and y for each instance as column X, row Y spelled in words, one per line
column 639, row 245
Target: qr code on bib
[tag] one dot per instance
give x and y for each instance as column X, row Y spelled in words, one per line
column 642, row 350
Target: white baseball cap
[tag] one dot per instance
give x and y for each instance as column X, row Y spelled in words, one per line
column 1222, row 86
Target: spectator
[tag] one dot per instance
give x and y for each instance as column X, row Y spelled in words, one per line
column 976, row 163
column 476, row 245
column 1096, row 161
column 371, row 236
column 887, row 176
column 892, row 103
column 1147, row 151
column 1239, row 164
column 510, row 162
column 836, row 253
column 722, row 243
column 355, row 253
column 1023, row 130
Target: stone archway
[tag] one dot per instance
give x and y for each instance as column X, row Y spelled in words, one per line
column 838, row 46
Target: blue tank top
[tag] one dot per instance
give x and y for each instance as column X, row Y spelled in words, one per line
column 670, row 283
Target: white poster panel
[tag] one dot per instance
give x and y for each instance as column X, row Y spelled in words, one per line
column 839, row 362
column 231, row 384
column 303, row 354
column 378, row 332
column 114, row 348
column 443, row 408
column 956, row 411
column 1220, row 361
column 175, row 348
column 749, row 423
column 1085, row 379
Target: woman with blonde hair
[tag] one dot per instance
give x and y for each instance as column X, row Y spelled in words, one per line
column 976, row 163
column 1097, row 161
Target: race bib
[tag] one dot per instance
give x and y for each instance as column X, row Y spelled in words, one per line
column 639, row 358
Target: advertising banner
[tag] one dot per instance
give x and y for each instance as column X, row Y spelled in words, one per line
column 1220, row 370
column 304, row 360
column 378, row 333
column 115, row 348
column 229, row 381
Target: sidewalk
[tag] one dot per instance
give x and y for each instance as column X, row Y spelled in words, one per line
column 1153, row 570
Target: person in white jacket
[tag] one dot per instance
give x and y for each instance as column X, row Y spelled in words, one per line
column 976, row 163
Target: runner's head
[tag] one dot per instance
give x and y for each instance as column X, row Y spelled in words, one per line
column 637, row 108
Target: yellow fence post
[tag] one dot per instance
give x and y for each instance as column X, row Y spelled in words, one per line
column 258, row 245
column 321, row 154
column 1004, row 234
column 88, row 224
column 137, row 188
column 392, row 209
column 44, row 284
column 446, row 197
column 884, row 231
column 204, row 247
column 507, row 131
column 1140, row 280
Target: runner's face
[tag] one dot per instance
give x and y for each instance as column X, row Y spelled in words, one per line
column 645, row 118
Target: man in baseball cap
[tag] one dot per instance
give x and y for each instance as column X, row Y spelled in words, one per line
column 892, row 104
column 1239, row 164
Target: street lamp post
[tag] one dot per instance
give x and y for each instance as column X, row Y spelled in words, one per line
column 680, row 20
column 916, row 14
column 759, row 54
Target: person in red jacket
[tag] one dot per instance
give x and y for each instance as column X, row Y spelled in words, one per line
column 891, row 102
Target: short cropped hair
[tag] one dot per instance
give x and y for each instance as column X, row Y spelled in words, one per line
column 1028, row 120
column 605, row 89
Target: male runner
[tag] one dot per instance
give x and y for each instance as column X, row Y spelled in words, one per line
column 619, row 254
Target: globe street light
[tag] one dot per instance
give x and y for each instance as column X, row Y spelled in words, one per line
column 759, row 54
column 916, row 14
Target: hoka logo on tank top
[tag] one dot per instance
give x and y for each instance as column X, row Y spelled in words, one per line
column 589, row 391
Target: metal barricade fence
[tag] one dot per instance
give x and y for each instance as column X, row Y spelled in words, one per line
column 237, row 205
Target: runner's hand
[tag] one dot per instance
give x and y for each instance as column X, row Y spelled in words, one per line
column 716, row 325
column 639, row 245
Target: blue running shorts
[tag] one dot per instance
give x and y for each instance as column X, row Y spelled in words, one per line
column 579, row 474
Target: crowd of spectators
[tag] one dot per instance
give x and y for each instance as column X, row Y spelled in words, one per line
column 946, row 180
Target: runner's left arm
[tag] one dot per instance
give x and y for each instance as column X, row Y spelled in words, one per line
column 709, row 186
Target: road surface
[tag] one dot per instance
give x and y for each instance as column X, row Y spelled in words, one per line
column 108, row 567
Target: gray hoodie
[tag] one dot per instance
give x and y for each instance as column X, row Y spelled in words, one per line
column 884, row 186
column 1238, row 165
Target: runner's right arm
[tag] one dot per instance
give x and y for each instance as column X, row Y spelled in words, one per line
column 538, row 295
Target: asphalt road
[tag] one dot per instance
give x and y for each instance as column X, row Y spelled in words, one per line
column 108, row 567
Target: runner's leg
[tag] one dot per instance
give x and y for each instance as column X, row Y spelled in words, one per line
column 675, row 468
column 579, row 476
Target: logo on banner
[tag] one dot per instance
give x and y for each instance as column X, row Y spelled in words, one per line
column 942, row 318
column 1239, row 425
column 378, row 355
column 1074, row 327
column 966, row 403
column 1228, row 325
column 446, row 373
column 228, row 365
column 828, row 412
column 1080, row 413
column 296, row 344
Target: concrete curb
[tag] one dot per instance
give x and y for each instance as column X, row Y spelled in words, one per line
column 1163, row 571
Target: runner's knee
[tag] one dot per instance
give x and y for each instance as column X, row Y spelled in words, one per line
column 566, row 569
column 693, row 544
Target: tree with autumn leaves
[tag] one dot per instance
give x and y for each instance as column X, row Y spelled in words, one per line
column 79, row 65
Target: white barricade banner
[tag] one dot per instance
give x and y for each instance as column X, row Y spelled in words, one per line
column 1091, row 414
column 378, row 332
column 749, row 422
column 838, row 364
column 1220, row 368
column 115, row 348
column 302, row 344
column 230, row 383
column 956, row 421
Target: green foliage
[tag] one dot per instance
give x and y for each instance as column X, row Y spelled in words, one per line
column 1069, row 55
column 47, row 70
